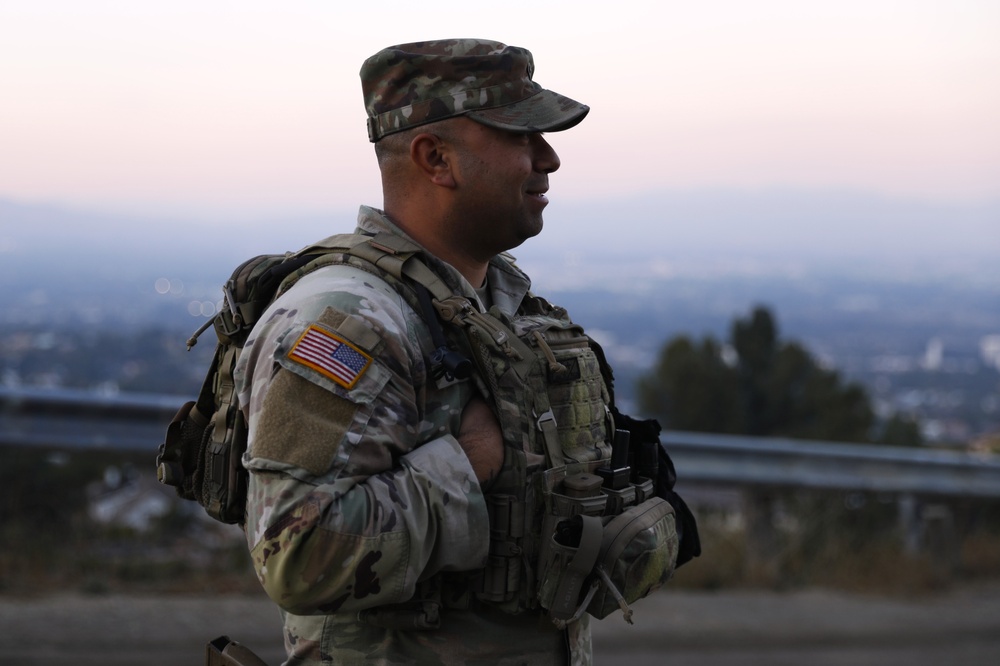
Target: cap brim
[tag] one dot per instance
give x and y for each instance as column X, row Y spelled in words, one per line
column 545, row 111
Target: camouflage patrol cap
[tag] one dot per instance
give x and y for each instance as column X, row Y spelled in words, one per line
column 414, row 84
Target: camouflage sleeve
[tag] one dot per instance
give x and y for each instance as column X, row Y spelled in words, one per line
column 358, row 488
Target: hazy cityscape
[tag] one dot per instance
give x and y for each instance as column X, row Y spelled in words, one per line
column 109, row 311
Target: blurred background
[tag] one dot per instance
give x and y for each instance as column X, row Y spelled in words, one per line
column 780, row 219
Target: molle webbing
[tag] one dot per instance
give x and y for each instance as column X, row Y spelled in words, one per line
column 522, row 364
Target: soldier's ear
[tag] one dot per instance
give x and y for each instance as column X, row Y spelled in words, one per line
column 434, row 157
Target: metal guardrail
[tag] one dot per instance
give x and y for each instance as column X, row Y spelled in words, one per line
column 774, row 462
column 77, row 419
column 73, row 419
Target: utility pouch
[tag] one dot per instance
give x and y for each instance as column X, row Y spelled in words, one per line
column 202, row 452
column 638, row 555
column 182, row 447
column 222, row 483
column 597, row 565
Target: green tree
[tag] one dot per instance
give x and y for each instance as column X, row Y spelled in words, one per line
column 692, row 384
column 900, row 431
column 761, row 387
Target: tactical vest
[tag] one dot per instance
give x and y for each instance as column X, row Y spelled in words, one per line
column 563, row 514
column 574, row 525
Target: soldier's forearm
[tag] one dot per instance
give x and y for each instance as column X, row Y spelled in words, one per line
column 361, row 543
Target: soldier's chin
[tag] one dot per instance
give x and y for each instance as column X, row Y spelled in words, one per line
column 530, row 234
column 536, row 228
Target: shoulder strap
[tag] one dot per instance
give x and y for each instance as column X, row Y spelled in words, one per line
column 390, row 254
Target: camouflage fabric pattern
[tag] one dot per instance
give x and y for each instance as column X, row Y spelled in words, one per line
column 485, row 637
column 639, row 551
column 638, row 555
column 576, row 391
column 414, row 84
column 358, row 497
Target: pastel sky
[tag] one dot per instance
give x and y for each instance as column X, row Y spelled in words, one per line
column 228, row 108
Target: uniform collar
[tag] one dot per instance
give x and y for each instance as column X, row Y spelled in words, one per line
column 508, row 284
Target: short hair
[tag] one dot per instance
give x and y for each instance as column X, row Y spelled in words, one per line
column 391, row 149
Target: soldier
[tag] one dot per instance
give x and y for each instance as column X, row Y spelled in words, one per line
column 374, row 464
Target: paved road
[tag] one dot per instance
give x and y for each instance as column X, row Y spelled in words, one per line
column 691, row 629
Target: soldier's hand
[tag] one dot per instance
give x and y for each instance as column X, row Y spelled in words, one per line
column 479, row 436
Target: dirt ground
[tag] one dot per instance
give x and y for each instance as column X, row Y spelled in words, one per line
column 752, row 628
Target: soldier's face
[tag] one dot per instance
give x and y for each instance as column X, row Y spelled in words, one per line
column 502, row 180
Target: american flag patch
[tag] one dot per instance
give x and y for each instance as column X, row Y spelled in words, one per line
column 331, row 356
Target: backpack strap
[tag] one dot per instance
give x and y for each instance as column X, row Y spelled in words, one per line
column 398, row 257
column 387, row 253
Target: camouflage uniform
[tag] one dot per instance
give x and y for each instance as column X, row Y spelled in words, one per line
column 359, row 495
column 364, row 514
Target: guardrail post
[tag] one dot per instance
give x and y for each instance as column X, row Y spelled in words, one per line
column 909, row 524
column 762, row 548
column 941, row 540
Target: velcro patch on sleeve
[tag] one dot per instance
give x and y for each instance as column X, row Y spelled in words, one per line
column 330, row 355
